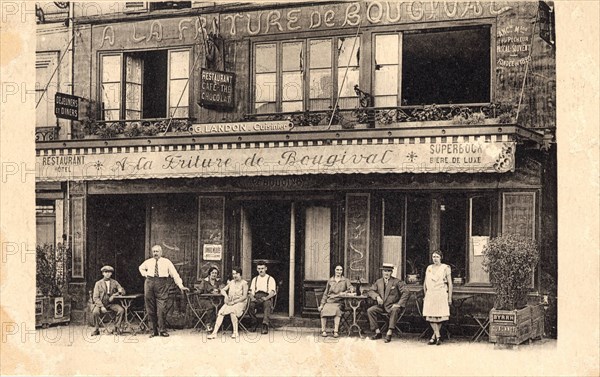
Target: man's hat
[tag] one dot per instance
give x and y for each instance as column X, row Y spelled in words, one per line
column 387, row 266
column 107, row 268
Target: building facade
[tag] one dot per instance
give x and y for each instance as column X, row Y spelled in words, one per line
column 306, row 134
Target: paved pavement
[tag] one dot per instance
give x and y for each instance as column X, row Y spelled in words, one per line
column 70, row 350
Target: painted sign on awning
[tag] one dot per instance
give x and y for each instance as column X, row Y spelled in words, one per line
column 363, row 156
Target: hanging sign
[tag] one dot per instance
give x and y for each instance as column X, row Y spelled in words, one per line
column 216, row 89
column 66, row 106
column 546, row 22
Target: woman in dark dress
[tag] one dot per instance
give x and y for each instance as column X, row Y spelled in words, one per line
column 209, row 285
column 331, row 302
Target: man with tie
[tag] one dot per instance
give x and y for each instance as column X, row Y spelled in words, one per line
column 104, row 294
column 157, row 271
column 391, row 295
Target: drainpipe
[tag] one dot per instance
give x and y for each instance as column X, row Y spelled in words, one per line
column 292, row 259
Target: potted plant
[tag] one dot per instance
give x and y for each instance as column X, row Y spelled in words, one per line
column 459, row 273
column 510, row 260
column 413, row 276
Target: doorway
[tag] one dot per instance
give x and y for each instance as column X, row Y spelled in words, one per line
column 266, row 236
column 117, row 229
column 453, row 231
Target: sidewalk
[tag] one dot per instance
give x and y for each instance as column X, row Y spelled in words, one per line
column 70, row 350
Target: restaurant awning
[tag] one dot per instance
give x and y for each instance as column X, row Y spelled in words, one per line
column 377, row 151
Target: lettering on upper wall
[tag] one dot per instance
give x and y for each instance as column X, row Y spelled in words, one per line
column 144, row 32
column 354, row 13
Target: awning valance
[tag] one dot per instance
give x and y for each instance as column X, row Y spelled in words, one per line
column 456, row 154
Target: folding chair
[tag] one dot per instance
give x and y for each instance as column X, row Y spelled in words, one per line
column 142, row 317
column 107, row 322
column 346, row 314
column 199, row 308
column 240, row 318
column 400, row 315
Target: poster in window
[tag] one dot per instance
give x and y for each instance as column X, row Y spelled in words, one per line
column 212, row 252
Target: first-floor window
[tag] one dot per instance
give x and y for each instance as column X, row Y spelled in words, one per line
column 145, row 84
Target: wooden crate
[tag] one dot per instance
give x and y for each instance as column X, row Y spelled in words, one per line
column 516, row 326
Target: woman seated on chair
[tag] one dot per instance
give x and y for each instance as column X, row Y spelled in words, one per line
column 236, row 297
column 331, row 302
column 209, row 285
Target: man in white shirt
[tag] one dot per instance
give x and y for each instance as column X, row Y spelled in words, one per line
column 105, row 291
column 157, row 271
column 262, row 289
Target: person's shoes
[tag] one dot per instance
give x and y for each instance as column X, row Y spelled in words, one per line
column 324, row 334
column 376, row 336
column 164, row 333
column 265, row 329
column 211, row 336
column 95, row 333
column 235, row 335
column 118, row 331
column 209, row 328
column 335, row 334
column 438, row 342
column 388, row 338
column 153, row 334
column 431, row 341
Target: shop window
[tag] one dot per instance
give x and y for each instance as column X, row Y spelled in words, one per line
column 317, row 239
column 307, row 74
column 45, row 223
column 439, row 66
column 480, row 231
column 46, row 85
column 393, row 219
column 452, row 232
column 160, row 5
column 144, row 85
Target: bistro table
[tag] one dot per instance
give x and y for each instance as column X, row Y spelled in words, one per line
column 457, row 319
column 126, row 301
column 196, row 300
column 354, row 302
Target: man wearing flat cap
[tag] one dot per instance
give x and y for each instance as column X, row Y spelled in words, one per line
column 391, row 295
column 105, row 291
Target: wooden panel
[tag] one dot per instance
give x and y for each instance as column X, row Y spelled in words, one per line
column 173, row 225
column 357, row 237
column 45, row 230
column 480, row 231
column 317, row 243
column 518, row 214
column 211, row 223
column 78, row 240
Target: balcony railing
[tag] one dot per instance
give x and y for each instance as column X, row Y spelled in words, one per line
column 46, row 133
column 107, row 129
column 385, row 116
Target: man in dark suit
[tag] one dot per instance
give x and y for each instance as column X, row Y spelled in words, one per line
column 105, row 291
column 391, row 295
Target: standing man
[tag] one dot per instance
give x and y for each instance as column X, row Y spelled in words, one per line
column 157, row 271
column 104, row 294
column 262, row 289
column 391, row 295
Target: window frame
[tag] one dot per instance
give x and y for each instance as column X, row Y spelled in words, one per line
column 446, row 25
column 122, row 53
column 304, row 38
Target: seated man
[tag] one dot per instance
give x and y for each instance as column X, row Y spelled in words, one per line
column 391, row 295
column 262, row 289
column 105, row 291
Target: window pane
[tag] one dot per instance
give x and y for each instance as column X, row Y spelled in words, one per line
column 386, row 101
column 265, row 107
column 111, row 115
column 111, row 68
column 179, row 65
column 320, row 53
column 292, row 57
column 288, row 107
column 386, row 80
column 133, row 70
column 386, row 49
column 480, row 209
column 111, row 96
column 133, row 97
column 265, row 58
column 349, row 82
column 181, row 112
column 292, row 87
column 348, row 103
column 448, row 66
column 265, row 87
column 321, row 83
column 131, row 114
column 319, row 104
column 348, row 52
column 177, row 87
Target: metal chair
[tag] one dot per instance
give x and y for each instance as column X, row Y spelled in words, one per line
column 199, row 308
column 346, row 314
column 240, row 318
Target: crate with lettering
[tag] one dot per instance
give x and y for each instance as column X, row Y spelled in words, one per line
column 516, row 326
